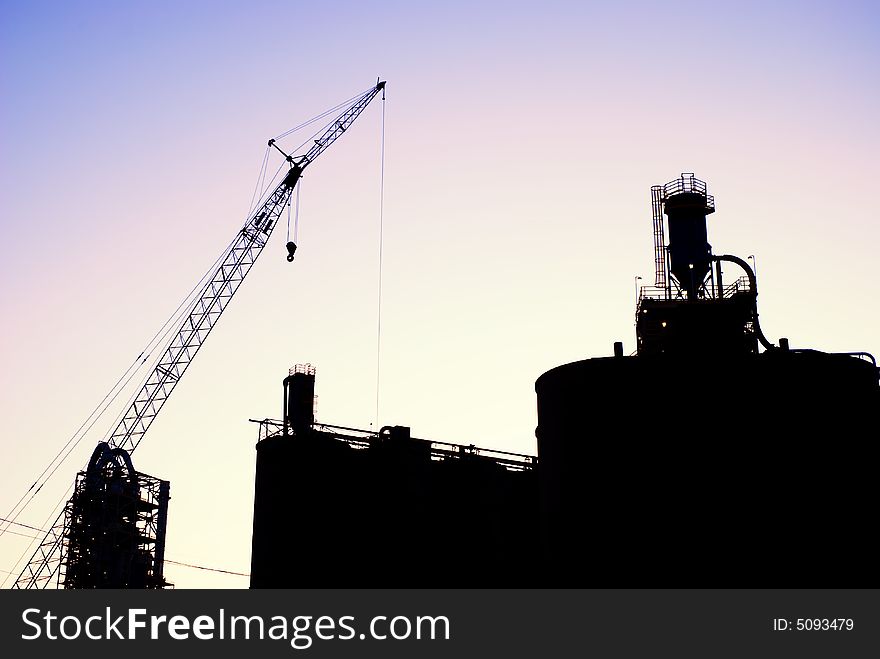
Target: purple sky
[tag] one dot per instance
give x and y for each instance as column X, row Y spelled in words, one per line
column 522, row 141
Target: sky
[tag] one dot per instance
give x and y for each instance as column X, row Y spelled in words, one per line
column 521, row 142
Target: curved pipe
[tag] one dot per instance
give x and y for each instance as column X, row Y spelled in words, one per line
column 122, row 453
column 97, row 458
column 103, row 454
column 753, row 284
column 867, row 355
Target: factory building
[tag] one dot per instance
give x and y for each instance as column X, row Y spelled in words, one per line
column 711, row 456
column 114, row 526
column 344, row 507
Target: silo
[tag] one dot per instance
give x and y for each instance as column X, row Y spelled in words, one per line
column 686, row 205
column 304, row 482
column 700, row 455
column 304, row 488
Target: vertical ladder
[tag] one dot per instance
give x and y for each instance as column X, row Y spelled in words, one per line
column 659, row 238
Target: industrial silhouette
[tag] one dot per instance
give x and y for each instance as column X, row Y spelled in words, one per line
column 699, row 460
column 343, row 507
column 115, row 525
column 740, row 468
column 81, row 550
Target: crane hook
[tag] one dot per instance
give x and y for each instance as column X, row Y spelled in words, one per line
column 291, row 250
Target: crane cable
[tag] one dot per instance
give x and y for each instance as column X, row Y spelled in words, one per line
column 124, row 380
column 29, row 549
column 84, row 428
column 381, row 243
column 295, row 204
column 137, row 364
column 296, row 213
column 324, row 128
column 162, row 333
column 143, row 357
column 259, row 177
column 323, row 114
column 158, row 339
column 108, row 399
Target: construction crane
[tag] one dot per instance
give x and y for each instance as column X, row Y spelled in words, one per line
column 203, row 315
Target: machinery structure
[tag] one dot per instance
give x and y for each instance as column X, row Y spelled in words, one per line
column 62, row 546
column 747, row 464
column 343, row 507
column 741, row 465
column 689, row 308
column 114, row 525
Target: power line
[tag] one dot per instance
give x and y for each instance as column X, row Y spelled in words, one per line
column 197, row 567
column 23, row 535
column 58, row 506
column 133, row 433
column 209, row 569
column 27, row 526
column 108, row 399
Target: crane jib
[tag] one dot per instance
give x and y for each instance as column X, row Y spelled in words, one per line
column 292, row 176
column 194, row 329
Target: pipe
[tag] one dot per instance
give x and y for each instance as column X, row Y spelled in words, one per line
column 868, row 355
column 103, row 455
column 284, row 418
column 753, row 284
column 161, row 526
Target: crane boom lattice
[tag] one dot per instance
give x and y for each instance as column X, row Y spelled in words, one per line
column 195, row 327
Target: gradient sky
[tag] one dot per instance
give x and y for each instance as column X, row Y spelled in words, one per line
column 522, row 140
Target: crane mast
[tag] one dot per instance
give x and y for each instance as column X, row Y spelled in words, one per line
column 191, row 333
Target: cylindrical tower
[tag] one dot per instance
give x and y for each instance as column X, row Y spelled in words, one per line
column 299, row 399
column 767, row 475
column 686, row 205
column 700, row 455
column 302, row 489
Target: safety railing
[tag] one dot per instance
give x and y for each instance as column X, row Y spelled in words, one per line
column 741, row 285
column 688, row 183
column 652, row 293
column 363, row 439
